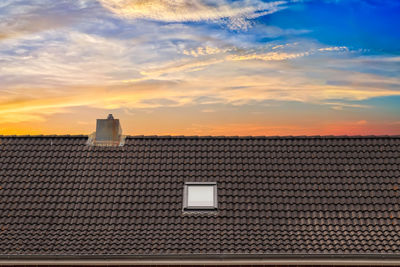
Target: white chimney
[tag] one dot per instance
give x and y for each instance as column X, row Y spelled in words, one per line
column 108, row 133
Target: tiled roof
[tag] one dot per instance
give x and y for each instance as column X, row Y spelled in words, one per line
column 276, row 195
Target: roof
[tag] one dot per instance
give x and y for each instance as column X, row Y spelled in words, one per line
column 321, row 195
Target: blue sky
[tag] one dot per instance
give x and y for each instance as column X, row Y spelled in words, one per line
column 244, row 67
column 367, row 25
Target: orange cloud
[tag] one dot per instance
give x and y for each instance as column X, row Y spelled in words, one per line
column 222, row 83
column 45, row 102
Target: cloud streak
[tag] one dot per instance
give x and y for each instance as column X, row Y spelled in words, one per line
column 237, row 13
column 78, row 69
column 140, row 57
column 207, row 56
column 18, row 19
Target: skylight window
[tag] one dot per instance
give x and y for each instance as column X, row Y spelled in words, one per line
column 200, row 196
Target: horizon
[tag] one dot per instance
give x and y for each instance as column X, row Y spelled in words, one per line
column 208, row 136
column 201, row 67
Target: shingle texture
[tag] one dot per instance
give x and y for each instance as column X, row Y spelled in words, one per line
column 276, row 195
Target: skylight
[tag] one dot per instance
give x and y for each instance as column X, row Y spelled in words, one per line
column 200, row 196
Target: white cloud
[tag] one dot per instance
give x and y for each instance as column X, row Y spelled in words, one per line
column 342, row 106
column 270, row 56
column 237, row 13
column 19, row 18
column 207, row 50
column 174, row 65
column 65, row 58
column 334, row 48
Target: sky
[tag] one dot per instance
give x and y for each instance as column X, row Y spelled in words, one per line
column 201, row 67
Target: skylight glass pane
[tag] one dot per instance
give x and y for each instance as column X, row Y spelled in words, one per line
column 201, row 195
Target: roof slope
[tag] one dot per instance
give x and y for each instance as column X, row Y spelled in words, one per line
column 277, row 195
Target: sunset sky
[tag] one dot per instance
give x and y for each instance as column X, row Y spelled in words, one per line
column 200, row 67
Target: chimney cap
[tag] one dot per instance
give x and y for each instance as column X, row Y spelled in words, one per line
column 110, row 117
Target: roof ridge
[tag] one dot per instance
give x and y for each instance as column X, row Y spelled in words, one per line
column 214, row 136
column 264, row 137
column 43, row 136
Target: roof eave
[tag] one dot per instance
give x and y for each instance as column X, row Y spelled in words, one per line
column 205, row 259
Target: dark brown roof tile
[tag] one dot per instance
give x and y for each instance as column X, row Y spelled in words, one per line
column 308, row 195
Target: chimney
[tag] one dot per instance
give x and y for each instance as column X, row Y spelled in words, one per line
column 108, row 133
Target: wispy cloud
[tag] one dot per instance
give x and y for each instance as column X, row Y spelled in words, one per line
column 18, row 18
column 334, row 48
column 236, row 14
column 60, row 56
column 78, row 69
column 32, row 23
column 65, row 58
column 270, row 56
column 183, row 65
column 207, row 50
column 342, row 105
column 207, row 56
column 39, row 102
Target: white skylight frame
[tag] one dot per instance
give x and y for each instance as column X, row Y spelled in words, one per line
column 186, row 205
